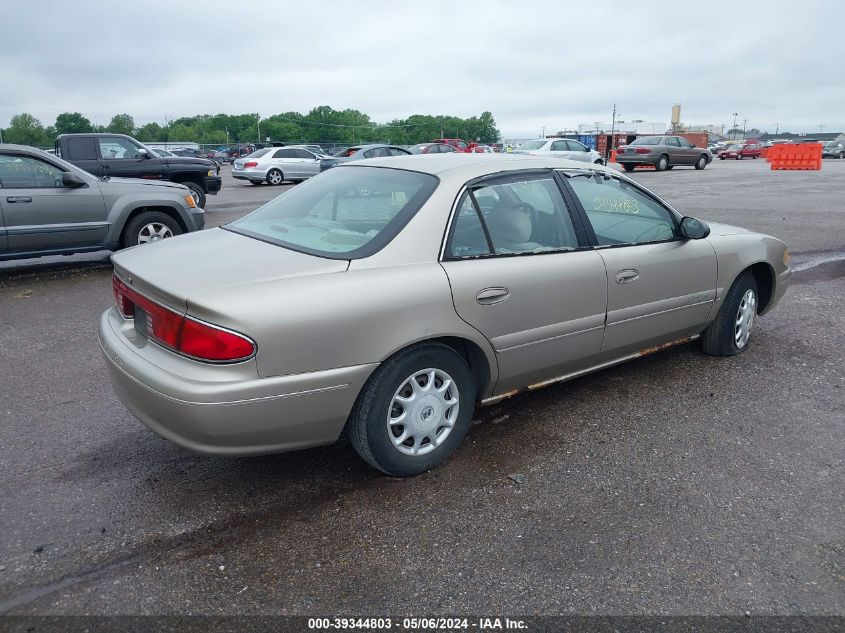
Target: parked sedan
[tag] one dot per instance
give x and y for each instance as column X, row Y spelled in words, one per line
column 431, row 148
column 833, row 149
column 739, row 151
column 561, row 148
column 50, row 207
column 663, row 152
column 360, row 152
column 275, row 165
column 392, row 314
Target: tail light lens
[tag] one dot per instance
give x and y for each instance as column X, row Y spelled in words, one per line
column 251, row 163
column 180, row 332
column 643, row 150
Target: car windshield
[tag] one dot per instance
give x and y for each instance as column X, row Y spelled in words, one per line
column 532, row 145
column 346, row 153
column 343, row 213
column 647, row 140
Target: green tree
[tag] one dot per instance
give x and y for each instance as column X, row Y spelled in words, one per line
column 150, row 133
column 25, row 129
column 72, row 123
column 122, row 124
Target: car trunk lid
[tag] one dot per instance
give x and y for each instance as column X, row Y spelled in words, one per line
column 198, row 266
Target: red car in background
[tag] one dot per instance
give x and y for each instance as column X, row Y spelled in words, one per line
column 460, row 145
column 739, row 151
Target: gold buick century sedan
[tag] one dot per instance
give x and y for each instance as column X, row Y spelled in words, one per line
column 387, row 298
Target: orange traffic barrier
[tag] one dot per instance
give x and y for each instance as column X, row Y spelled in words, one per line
column 764, row 153
column 613, row 156
column 804, row 156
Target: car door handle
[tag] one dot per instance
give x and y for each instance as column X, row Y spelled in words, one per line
column 627, row 276
column 489, row 296
column 18, row 199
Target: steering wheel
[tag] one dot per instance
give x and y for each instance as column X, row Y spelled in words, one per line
column 532, row 213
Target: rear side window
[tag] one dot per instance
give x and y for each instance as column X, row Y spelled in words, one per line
column 620, row 214
column 559, row 146
column 82, row 148
column 672, row 142
column 285, row 153
column 684, row 142
column 519, row 217
column 345, row 213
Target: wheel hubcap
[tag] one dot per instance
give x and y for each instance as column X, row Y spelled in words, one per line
column 745, row 318
column 422, row 412
column 275, row 178
column 153, row 232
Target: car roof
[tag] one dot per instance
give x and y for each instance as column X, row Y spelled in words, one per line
column 472, row 165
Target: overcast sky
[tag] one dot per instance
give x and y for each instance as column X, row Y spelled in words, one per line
column 531, row 63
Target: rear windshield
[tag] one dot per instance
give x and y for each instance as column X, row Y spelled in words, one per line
column 647, row 140
column 346, row 153
column 259, row 152
column 344, row 213
column 532, row 145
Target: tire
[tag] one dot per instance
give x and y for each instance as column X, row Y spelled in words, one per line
column 670, row 167
column 375, row 439
column 701, row 163
column 841, row 155
column 754, row 156
column 739, row 156
column 197, row 193
column 721, row 158
column 722, row 337
column 256, row 182
column 149, row 226
column 662, row 163
column 275, row 177
column 628, row 166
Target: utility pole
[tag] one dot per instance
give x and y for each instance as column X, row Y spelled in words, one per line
column 543, row 135
column 821, row 128
column 733, row 134
column 612, row 130
column 744, row 123
column 258, row 124
column 777, row 127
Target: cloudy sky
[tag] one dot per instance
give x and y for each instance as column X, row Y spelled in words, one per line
column 534, row 64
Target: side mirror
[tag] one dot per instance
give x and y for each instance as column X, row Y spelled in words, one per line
column 694, row 229
column 69, row 179
column 144, row 154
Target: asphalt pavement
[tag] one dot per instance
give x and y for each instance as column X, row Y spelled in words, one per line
column 675, row 484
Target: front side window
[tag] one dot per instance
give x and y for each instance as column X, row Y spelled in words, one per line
column 27, row 172
column 395, row 151
column 345, row 213
column 304, row 153
column 575, row 146
column 685, row 143
column 119, row 149
column 445, row 149
column 520, row 217
column 621, row 214
column 559, row 146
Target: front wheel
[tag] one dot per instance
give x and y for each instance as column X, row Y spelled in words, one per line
column 628, row 166
column 701, row 163
column 148, row 227
column 414, row 410
column 197, row 193
column 841, row 155
column 730, row 332
column 662, row 163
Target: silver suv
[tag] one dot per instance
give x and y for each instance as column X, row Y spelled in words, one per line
column 50, row 207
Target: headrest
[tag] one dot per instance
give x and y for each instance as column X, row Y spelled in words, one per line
column 510, row 225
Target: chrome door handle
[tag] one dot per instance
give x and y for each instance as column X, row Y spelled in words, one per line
column 18, row 199
column 627, row 276
column 489, row 296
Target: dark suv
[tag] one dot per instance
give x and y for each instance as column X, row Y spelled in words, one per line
column 113, row 155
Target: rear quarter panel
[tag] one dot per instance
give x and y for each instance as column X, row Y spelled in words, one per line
column 342, row 319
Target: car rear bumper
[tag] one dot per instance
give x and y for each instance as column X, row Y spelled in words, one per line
column 254, row 173
column 637, row 159
column 225, row 409
column 213, row 184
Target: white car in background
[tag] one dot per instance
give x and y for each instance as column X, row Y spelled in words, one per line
column 275, row 165
column 561, row 148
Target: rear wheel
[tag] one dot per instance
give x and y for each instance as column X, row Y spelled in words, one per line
column 275, row 177
column 148, row 227
column 739, row 156
column 662, row 163
column 701, row 163
column 730, row 332
column 628, row 166
column 841, row 155
column 414, row 410
column 197, row 193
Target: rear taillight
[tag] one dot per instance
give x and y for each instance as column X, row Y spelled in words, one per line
column 180, row 332
column 251, row 163
column 643, row 150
